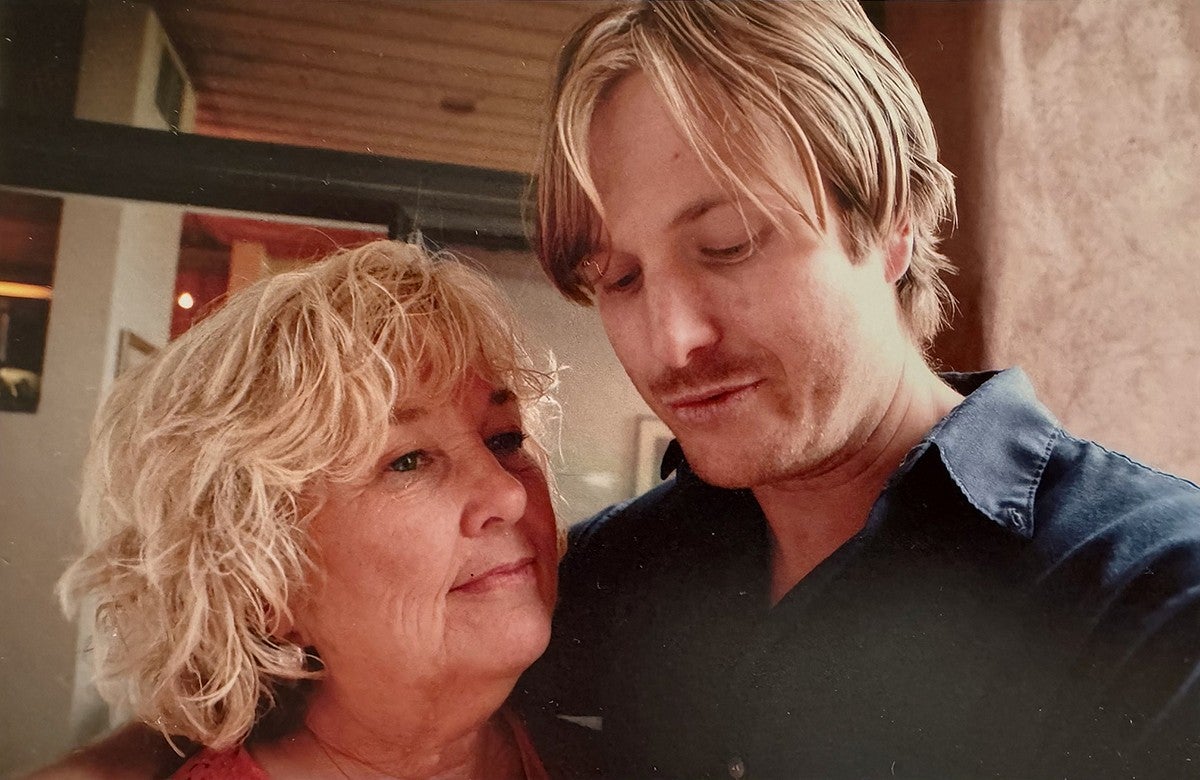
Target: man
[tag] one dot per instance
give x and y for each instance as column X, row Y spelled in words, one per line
column 860, row 569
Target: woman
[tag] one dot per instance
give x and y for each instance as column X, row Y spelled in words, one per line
column 320, row 541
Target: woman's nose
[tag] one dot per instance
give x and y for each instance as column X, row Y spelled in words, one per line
column 495, row 495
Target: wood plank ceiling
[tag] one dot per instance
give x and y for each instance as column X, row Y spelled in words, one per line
column 458, row 81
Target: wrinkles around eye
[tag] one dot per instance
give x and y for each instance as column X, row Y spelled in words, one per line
column 736, row 252
column 409, row 461
column 506, row 443
column 729, row 253
column 502, row 445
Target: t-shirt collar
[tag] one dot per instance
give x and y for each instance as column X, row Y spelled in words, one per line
column 994, row 445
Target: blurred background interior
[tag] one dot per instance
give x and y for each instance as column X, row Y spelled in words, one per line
column 155, row 156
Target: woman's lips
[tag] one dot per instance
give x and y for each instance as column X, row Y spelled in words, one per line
column 504, row 575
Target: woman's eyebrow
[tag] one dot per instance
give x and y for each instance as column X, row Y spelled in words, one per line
column 498, row 397
column 408, row 414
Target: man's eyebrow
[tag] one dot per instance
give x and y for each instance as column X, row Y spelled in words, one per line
column 698, row 209
column 502, row 396
column 692, row 212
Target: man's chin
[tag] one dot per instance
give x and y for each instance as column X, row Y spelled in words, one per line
column 724, row 470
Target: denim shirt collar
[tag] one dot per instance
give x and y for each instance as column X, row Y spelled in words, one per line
column 994, row 445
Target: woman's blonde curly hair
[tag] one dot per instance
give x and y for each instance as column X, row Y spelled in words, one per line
column 207, row 462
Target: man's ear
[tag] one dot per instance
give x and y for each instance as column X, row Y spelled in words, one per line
column 898, row 251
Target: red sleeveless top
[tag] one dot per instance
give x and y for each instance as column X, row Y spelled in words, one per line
column 233, row 764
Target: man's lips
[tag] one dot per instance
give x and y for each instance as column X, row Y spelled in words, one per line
column 497, row 576
column 695, row 404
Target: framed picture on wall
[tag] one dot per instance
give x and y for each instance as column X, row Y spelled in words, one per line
column 132, row 351
column 653, row 436
column 23, row 323
column 28, row 255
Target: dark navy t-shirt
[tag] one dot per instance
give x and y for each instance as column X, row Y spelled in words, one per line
column 1020, row 603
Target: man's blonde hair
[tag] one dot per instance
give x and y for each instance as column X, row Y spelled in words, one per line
column 207, row 462
column 812, row 74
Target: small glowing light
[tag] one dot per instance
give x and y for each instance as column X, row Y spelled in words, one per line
column 185, row 300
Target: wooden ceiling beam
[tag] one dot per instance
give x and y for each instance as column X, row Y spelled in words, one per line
column 550, row 16
column 388, row 102
column 361, row 75
column 338, row 109
column 311, row 60
column 251, row 127
column 274, row 39
column 402, row 21
column 222, row 69
column 368, row 128
column 372, row 133
column 31, row 207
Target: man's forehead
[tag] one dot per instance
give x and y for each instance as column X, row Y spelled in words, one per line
column 690, row 212
column 701, row 206
column 634, row 132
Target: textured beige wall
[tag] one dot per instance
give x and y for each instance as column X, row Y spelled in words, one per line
column 1073, row 127
column 1092, row 229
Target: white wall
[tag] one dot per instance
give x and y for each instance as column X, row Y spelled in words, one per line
column 115, row 269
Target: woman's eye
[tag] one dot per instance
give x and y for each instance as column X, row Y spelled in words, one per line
column 507, row 443
column 409, row 461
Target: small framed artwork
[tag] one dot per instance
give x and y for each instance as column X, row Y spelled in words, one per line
column 28, row 254
column 23, row 323
column 132, row 351
column 653, row 436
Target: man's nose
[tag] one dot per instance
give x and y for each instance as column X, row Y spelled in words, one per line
column 681, row 319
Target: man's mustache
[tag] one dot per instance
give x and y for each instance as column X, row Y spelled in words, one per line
column 706, row 371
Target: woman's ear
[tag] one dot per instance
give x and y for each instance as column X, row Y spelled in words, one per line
column 898, row 251
column 283, row 625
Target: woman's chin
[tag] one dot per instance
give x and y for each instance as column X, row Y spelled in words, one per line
column 527, row 638
column 510, row 643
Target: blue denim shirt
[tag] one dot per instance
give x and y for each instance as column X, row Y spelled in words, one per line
column 1020, row 603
